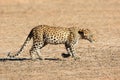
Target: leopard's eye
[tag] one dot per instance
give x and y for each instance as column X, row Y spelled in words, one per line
column 91, row 35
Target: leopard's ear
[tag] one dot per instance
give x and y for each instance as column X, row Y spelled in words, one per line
column 86, row 31
column 81, row 32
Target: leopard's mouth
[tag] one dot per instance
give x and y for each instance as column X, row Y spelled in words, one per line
column 91, row 40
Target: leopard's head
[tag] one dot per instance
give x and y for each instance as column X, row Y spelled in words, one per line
column 86, row 34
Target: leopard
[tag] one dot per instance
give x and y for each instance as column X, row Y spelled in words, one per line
column 45, row 34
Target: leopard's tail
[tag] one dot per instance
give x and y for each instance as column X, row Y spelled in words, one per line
column 23, row 46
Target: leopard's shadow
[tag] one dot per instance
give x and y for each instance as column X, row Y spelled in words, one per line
column 14, row 59
column 26, row 59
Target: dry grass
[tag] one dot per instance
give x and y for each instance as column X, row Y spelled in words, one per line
column 98, row 61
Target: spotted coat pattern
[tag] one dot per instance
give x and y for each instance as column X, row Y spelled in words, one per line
column 44, row 34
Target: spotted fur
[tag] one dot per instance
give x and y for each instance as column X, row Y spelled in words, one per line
column 44, row 34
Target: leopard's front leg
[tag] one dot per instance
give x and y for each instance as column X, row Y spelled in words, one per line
column 73, row 52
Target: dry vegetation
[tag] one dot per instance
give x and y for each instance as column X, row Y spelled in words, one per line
column 98, row 61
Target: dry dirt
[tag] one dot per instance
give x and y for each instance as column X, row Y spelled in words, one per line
column 98, row 61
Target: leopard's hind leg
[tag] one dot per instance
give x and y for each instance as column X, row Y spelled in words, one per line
column 35, row 51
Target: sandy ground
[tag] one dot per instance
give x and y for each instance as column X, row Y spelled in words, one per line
column 98, row 61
